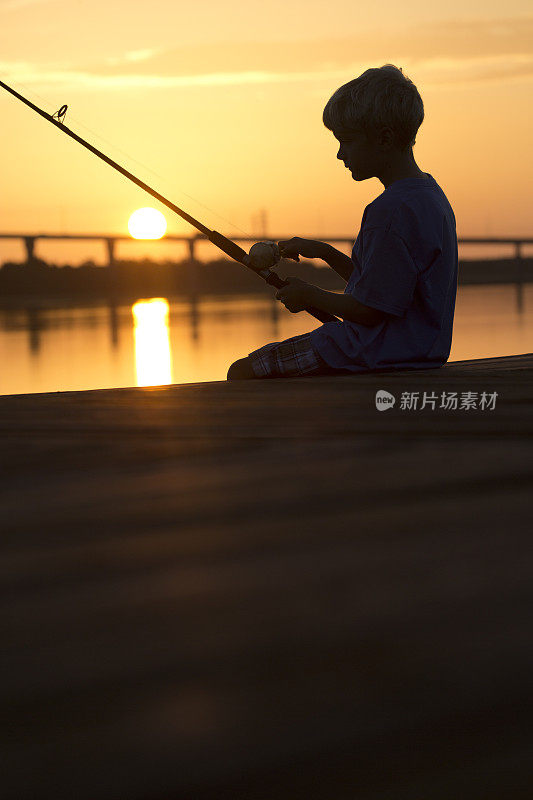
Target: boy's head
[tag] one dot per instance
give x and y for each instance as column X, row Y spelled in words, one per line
column 375, row 117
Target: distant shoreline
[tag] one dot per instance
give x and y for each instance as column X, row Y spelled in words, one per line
column 42, row 284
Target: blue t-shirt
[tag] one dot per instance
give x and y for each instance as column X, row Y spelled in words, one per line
column 405, row 263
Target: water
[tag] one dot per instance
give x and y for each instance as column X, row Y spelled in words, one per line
column 155, row 342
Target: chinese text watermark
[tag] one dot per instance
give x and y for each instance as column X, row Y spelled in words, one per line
column 448, row 401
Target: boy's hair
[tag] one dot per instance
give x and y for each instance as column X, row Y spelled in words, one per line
column 381, row 96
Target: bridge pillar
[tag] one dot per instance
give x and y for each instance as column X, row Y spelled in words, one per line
column 110, row 246
column 111, row 268
column 520, row 277
column 193, row 266
column 29, row 243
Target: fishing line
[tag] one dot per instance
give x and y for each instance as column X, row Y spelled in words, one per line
column 218, row 239
column 119, row 150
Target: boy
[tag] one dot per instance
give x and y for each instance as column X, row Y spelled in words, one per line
column 398, row 305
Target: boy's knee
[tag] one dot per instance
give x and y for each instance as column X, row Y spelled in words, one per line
column 241, row 370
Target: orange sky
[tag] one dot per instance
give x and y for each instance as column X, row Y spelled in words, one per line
column 224, row 103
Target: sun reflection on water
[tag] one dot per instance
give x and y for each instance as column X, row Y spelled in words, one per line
column 153, row 359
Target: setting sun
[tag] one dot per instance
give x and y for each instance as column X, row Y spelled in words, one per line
column 147, row 223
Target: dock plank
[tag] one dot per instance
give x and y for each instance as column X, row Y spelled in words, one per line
column 269, row 589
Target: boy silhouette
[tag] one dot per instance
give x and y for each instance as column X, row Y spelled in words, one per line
column 401, row 281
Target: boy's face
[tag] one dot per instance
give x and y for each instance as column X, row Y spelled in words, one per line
column 364, row 158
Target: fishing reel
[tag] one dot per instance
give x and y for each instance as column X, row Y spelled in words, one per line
column 264, row 255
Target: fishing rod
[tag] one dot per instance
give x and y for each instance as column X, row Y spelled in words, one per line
column 219, row 240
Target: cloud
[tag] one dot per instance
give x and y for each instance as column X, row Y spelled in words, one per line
column 141, row 55
column 14, row 5
column 454, row 53
column 26, row 73
column 456, row 41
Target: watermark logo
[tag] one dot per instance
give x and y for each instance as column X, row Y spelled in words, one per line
column 384, row 400
column 447, row 401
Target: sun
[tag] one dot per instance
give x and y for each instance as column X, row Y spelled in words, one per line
column 147, row 223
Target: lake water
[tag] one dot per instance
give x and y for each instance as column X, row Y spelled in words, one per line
column 155, row 342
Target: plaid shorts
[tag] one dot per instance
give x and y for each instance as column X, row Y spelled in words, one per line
column 287, row 359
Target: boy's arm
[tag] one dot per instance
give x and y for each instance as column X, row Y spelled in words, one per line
column 346, row 307
column 297, row 294
column 340, row 262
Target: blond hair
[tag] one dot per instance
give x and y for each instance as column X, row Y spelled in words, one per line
column 381, row 96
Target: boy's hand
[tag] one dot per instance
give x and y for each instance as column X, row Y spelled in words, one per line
column 295, row 247
column 296, row 295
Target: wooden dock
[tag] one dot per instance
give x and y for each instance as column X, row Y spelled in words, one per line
column 269, row 590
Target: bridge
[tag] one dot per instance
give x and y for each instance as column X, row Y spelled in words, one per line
column 110, row 240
